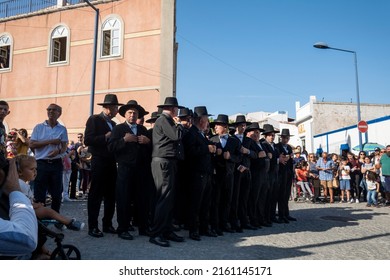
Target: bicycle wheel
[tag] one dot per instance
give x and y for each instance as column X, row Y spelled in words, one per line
column 66, row 252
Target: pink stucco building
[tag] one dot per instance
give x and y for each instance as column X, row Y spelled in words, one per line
column 47, row 57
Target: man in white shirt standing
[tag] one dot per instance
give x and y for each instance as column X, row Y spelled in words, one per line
column 49, row 141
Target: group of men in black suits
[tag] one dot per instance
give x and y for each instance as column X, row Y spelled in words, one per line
column 228, row 182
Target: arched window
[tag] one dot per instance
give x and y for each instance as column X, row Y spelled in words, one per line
column 5, row 52
column 111, row 45
column 59, row 45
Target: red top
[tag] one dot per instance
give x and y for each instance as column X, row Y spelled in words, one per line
column 302, row 175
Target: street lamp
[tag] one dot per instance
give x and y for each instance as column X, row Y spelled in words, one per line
column 321, row 45
column 93, row 78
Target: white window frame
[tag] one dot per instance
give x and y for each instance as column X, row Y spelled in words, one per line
column 59, row 35
column 6, row 41
column 112, row 27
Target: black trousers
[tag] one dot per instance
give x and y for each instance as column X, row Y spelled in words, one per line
column 274, row 189
column 197, row 188
column 164, row 173
column 49, row 180
column 124, row 193
column 239, row 208
column 221, row 197
column 285, row 182
column 73, row 181
column 257, row 191
column 103, row 183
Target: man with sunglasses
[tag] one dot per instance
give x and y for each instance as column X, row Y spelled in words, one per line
column 49, row 142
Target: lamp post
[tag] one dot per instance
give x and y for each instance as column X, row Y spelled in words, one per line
column 93, row 79
column 321, row 45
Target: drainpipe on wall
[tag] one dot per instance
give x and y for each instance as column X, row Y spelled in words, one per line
column 93, row 79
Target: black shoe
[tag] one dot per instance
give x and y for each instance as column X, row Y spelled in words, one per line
column 218, row 232
column 143, row 232
column 110, row 229
column 248, row 226
column 227, row 228
column 291, row 218
column 195, row 236
column 277, row 221
column 160, row 241
column 174, row 237
column 238, row 229
column 209, row 233
column 95, row 232
column 125, row 235
column 266, row 224
column 131, row 228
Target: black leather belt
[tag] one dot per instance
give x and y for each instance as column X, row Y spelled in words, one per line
column 50, row 161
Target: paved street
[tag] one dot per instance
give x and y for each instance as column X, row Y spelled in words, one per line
column 322, row 232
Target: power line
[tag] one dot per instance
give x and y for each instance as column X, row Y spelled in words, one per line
column 236, row 68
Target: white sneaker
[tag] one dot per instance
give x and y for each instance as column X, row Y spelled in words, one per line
column 357, row 200
column 351, row 201
column 67, row 199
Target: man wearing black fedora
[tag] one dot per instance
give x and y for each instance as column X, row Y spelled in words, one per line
column 259, row 172
column 286, row 174
column 128, row 142
column 198, row 151
column 180, row 208
column 167, row 150
column 227, row 156
column 273, row 186
column 103, row 166
column 242, row 178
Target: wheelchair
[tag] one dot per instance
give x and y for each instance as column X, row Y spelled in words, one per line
column 62, row 251
column 298, row 194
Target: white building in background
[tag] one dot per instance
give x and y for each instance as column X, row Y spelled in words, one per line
column 328, row 125
column 278, row 119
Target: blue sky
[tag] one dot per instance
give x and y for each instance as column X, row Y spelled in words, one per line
column 257, row 55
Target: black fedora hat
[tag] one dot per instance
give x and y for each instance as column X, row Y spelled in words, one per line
column 170, row 102
column 201, row 111
column 285, row 132
column 269, row 128
column 254, row 126
column 110, row 99
column 132, row 104
column 154, row 116
column 240, row 119
column 184, row 112
column 221, row 119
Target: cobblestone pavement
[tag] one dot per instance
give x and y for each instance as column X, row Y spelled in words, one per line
column 322, row 232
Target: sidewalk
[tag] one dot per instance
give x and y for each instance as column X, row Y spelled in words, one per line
column 322, row 232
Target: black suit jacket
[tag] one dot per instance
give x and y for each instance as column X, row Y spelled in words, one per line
column 127, row 152
column 260, row 164
column 94, row 136
column 196, row 151
column 288, row 167
column 233, row 145
column 246, row 158
column 275, row 155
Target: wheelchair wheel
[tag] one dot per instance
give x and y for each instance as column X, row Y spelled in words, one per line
column 66, row 252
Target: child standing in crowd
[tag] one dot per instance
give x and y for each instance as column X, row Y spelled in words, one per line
column 345, row 185
column 372, row 188
column 302, row 172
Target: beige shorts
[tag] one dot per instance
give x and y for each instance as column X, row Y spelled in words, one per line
column 326, row 184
